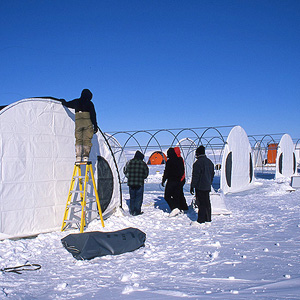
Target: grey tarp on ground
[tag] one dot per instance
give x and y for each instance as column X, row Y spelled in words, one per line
column 89, row 245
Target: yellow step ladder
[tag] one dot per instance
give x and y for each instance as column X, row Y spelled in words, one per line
column 80, row 195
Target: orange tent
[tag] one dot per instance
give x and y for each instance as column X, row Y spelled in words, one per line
column 272, row 153
column 157, row 158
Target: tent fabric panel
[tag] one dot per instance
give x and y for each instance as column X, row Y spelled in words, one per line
column 10, row 225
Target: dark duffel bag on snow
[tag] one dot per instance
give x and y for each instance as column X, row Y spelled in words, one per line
column 88, row 245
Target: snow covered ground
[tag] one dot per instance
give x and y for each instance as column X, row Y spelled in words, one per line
column 252, row 254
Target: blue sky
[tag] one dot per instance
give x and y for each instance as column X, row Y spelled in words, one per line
column 159, row 64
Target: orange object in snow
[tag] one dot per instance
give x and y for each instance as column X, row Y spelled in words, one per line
column 157, row 158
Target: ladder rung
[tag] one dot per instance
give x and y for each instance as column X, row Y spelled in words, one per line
column 71, row 222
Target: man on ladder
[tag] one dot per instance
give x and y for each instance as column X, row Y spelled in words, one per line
column 85, row 123
column 85, row 127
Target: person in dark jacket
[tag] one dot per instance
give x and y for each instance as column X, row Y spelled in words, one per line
column 85, row 123
column 136, row 172
column 182, row 202
column 202, row 177
column 173, row 173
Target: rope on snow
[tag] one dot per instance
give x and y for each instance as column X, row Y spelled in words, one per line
column 20, row 269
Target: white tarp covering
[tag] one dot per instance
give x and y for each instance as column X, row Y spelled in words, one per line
column 258, row 155
column 285, row 159
column 237, row 165
column 187, row 149
column 36, row 164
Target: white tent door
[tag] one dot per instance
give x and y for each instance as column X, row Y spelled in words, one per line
column 286, row 159
column 105, row 182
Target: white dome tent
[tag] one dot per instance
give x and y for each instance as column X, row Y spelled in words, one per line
column 237, row 166
column 286, row 164
column 37, row 158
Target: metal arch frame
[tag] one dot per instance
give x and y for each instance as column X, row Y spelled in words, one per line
column 178, row 133
column 214, row 128
column 297, row 144
column 170, row 131
column 130, row 136
column 189, row 148
column 153, row 137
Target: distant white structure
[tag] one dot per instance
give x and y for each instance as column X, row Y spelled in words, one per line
column 286, row 164
column 237, row 165
column 37, row 155
column 187, row 147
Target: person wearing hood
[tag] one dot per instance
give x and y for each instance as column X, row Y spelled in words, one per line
column 136, row 172
column 85, row 123
column 173, row 173
column 202, row 177
column 182, row 201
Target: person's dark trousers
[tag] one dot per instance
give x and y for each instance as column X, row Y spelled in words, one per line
column 172, row 194
column 204, row 206
column 182, row 201
column 136, row 199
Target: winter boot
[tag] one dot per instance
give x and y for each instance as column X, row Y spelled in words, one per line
column 78, row 152
column 86, row 153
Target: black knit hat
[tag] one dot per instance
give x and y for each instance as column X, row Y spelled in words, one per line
column 200, row 150
column 86, row 94
column 139, row 155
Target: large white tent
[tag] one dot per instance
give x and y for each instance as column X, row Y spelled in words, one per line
column 36, row 164
column 237, row 166
column 286, row 164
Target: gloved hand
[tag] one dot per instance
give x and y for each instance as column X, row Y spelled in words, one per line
column 95, row 129
column 192, row 191
column 163, row 183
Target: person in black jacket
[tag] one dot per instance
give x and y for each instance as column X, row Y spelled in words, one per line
column 173, row 173
column 182, row 203
column 202, row 177
column 85, row 123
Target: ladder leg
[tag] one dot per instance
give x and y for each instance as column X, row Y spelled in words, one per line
column 69, row 198
column 96, row 194
column 83, row 202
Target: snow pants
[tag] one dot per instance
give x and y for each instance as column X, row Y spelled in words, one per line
column 204, row 206
column 182, row 201
column 84, row 131
column 136, row 194
column 173, row 194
